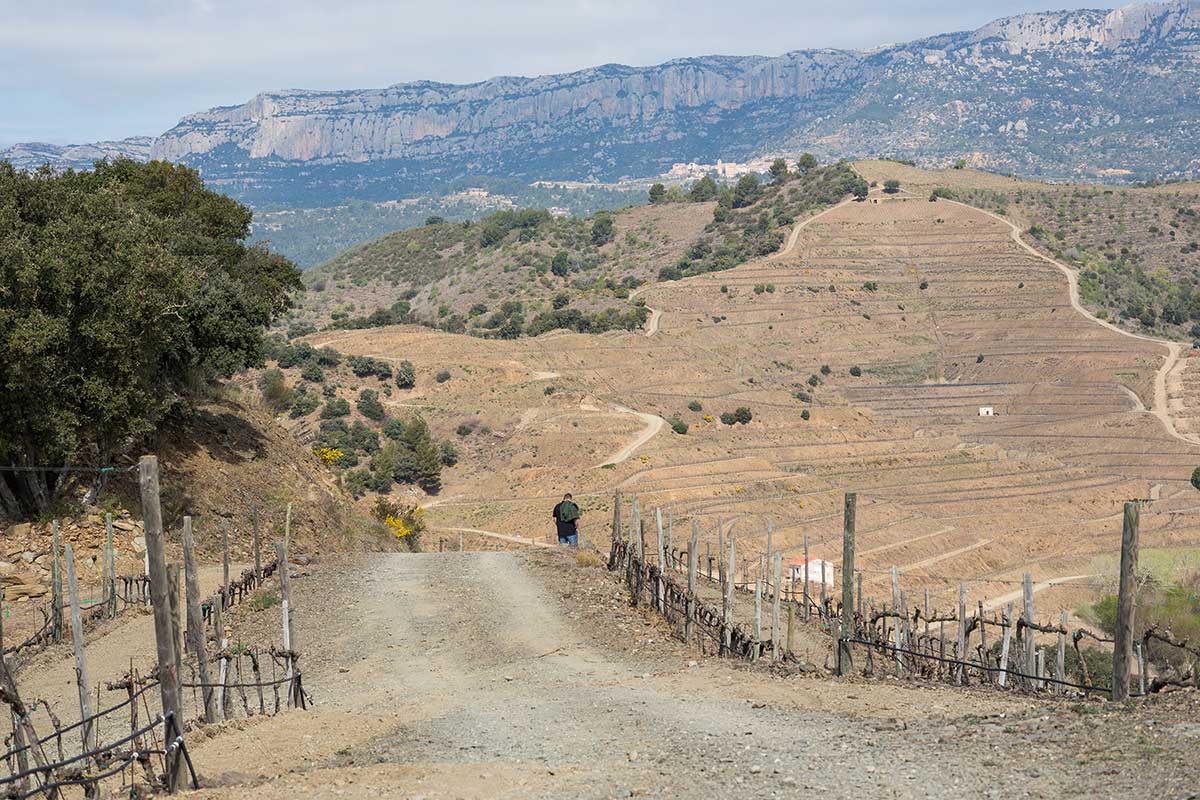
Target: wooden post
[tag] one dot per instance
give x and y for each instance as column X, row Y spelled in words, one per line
column 896, row 607
column 770, row 533
column 1027, row 615
column 805, row 590
column 176, row 619
column 1005, row 643
column 56, row 587
column 790, row 624
column 461, row 542
column 660, row 586
column 168, row 674
column 196, row 638
column 670, row 525
column 962, row 633
column 693, row 554
column 758, row 593
column 635, row 517
column 110, row 568
column 257, row 547
column 845, row 661
column 1060, row 663
column 1123, row 638
column 1141, row 659
column 984, row 675
column 776, row 599
column 727, row 608
column 721, row 552
column 1039, row 658
column 708, row 559
column 81, row 672
column 616, row 523
column 225, row 554
column 285, row 597
column 858, row 579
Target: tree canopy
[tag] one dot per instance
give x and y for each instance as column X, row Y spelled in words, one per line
column 122, row 288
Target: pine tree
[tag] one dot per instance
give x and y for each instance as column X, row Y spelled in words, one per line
column 426, row 456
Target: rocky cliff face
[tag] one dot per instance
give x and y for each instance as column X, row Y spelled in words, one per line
column 1061, row 94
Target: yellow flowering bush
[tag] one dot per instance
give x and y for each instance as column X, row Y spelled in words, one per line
column 328, row 455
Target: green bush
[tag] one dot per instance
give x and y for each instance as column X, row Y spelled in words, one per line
column 695, row 406
column 337, row 407
column 891, row 186
column 805, row 415
column 406, row 375
column 464, row 430
column 442, row 376
column 369, row 406
column 312, row 373
column 276, row 394
column 814, row 381
column 1196, row 478
column 449, row 453
column 678, row 425
column 304, row 405
column 825, row 369
column 856, row 372
column 742, row 415
column 394, row 428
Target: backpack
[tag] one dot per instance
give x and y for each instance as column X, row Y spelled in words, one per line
column 568, row 511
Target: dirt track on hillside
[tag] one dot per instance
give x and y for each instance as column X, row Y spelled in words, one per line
column 488, row 675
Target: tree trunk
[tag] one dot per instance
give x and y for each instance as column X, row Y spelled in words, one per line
column 8, row 501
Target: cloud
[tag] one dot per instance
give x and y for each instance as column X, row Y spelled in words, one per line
column 78, row 70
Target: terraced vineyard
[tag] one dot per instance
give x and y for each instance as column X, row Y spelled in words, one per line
column 891, row 323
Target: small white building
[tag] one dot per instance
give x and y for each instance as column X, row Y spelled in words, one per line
column 987, row 411
column 819, row 571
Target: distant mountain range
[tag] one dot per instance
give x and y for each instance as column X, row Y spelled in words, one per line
column 1071, row 95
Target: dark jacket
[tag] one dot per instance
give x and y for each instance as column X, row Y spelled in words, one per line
column 566, row 527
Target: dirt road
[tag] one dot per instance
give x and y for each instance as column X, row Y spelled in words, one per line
column 483, row 675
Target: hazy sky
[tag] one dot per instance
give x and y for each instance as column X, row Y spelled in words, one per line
column 85, row 70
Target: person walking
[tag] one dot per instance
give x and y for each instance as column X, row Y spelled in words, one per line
column 566, row 519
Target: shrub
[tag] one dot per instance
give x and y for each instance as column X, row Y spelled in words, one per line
column 678, row 425
column 394, row 429
column 924, row 285
column 549, row 390
column 276, row 394
column 560, row 265
column 695, row 406
column 1196, row 478
column 328, row 357
column 803, row 397
column 814, row 381
column 337, row 407
column 727, row 418
column 406, row 375
column 312, row 373
column 979, row 358
column 825, row 369
column 891, row 186
column 442, row 376
column 669, row 273
column 304, row 405
column 856, row 372
column 464, row 430
column 449, row 453
column 742, row 415
column 871, row 286
column 369, row 406
column 365, row 366
column 602, row 230
column 805, row 415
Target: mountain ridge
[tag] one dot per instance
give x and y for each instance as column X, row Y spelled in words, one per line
column 1077, row 94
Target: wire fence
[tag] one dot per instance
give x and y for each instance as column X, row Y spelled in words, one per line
column 1007, row 649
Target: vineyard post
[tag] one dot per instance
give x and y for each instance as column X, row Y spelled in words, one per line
column 660, row 586
column 1005, row 644
column 56, row 587
column 962, row 633
column 805, row 590
column 225, row 555
column 81, row 671
column 285, row 600
column 1123, row 639
column 1060, row 664
column 693, row 553
column 195, row 619
column 110, row 568
column 168, row 676
column 758, row 597
column 727, row 608
column 616, row 523
column 1027, row 616
column 845, row 662
column 776, row 599
column 176, row 620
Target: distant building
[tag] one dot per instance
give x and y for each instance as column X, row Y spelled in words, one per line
column 819, row 571
column 987, row 411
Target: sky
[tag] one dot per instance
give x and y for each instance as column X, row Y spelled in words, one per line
column 75, row 71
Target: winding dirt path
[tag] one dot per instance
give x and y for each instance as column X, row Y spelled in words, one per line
column 1161, row 407
column 654, row 424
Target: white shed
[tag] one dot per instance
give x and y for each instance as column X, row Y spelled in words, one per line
column 987, row 411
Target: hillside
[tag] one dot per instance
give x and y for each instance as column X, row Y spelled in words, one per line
column 529, row 271
column 1136, row 249
column 885, row 327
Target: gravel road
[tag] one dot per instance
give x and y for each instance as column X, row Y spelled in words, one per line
column 488, row 675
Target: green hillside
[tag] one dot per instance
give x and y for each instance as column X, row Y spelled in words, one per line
column 525, row 272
